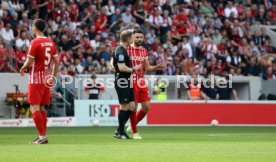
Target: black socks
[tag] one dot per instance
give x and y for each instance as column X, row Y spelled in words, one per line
column 123, row 117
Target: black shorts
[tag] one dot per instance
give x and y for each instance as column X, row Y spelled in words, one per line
column 125, row 93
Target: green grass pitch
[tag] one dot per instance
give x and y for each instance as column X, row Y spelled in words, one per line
column 168, row 144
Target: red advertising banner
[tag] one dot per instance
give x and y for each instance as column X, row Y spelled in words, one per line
column 204, row 113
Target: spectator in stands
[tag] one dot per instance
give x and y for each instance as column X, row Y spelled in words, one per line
column 14, row 21
column 21, row 55
column 151, row 36
column 211, row 89
column 79, row 67
column 127, row 16
column 110, row 8
column 207, row 9
column 211, row 49
column 195, row 91
column 139, row 11
column 95, row 43
column 167, row 6
column 252, row 68
column 88, row 62
column 217, row 36
column 234, row 59
column 116, row 16
column 269, row 74
column 94, row 89
column 166, row 23
column 225, row 89
column 73, row 43
column 230, row 8
column 23, row 40
column 160, row 91
column 64, row 43
column 264, row 37
column 186, row 45
column 8, row 35
column 170, row 70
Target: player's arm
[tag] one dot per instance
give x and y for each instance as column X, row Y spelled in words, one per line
column 30, row 57
column 123, row 68
column 150, row 68
column 26, row 65
column 55, row 66
column 111, row 65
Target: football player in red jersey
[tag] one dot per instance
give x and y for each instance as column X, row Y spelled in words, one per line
column 41, row 52
column 139, row 55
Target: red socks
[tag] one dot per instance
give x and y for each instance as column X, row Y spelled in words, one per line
column 39, row 122
column 44, row 116
column 140, row 115
column 133, row 122
column 135, row 118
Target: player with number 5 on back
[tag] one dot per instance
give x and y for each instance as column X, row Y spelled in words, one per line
column 41, row 52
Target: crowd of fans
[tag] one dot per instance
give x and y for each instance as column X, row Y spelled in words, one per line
column 214, row 36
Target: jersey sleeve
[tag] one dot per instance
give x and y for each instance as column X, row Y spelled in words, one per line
column 120, row 56
column 32, row 50
column 55, row 52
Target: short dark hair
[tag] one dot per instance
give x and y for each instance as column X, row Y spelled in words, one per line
column 138, row 31
column 40, row 25
column 93, row 76
column 125, row 35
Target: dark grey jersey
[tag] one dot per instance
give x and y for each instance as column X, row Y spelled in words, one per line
column 120, row 56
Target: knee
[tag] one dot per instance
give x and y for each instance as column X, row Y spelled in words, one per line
column 124, row 107
column 34, row 108
column 145, row 108
column 132, row 107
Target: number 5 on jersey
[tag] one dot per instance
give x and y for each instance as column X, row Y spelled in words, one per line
column 48, row 57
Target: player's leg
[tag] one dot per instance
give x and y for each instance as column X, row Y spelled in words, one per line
column 133, row 128
column 144, row 99
column 44, row 115
column 143, row 112
column 39, row 123
column 45, row 101
column 131, row 106
column 126, row 99
column 141, row 95
column 122, row 121
column 34, row 98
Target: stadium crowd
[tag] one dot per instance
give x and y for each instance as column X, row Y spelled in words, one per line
column 214, row 36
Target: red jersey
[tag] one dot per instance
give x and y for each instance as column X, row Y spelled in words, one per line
column 42, row 50
column 137, row 55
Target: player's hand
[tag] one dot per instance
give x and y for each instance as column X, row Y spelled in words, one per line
column 22, row 70
column 137, row 67
column 160, row 67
